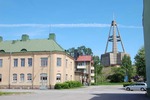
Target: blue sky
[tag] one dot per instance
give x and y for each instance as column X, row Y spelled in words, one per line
column 75, row 22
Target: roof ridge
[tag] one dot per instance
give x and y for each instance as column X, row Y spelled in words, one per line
column 30, row 45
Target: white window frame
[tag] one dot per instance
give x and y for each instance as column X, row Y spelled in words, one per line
column 15, row 62
column 14, row 77
column 1, row 62
column 22, row 62
column 58, row 77
column 43, row 77
column 44, row 62
column 59, row 61
column 30, row 62
column 22, row 77
column 29, row 77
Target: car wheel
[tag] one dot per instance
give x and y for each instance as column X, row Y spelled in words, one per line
column 142, row 89
column 128, row 89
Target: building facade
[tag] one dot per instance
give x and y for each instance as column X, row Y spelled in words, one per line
column 34, row 64
column 84, row 70
column 146, row 25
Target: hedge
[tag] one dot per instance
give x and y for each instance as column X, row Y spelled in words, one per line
column 68, row 85
column 127, row 83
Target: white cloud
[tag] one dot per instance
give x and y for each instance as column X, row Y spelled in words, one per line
column 66, row 25
column 131, row 26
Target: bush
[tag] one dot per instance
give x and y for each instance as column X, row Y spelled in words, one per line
column 58, row 86
column 93, row 84
column 116, row 77
column 67, row 85
column 127, row 83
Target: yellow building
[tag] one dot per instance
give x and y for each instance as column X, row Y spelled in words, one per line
column 34, row 64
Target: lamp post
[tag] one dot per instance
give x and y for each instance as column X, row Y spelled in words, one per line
column 126, row 75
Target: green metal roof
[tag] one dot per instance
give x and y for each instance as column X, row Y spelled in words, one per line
column 30, row 45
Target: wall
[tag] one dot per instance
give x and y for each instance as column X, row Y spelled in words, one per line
column 8, row 69
column 146, row 24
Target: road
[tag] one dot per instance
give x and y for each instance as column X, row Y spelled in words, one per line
column 85, row 93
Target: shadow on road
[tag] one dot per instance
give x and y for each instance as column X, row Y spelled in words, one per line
column 115, row 96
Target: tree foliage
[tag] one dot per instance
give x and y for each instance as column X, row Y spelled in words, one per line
column 97, row 65
column 126, row 69
column 117, row 76
column 127, row 66
column 82, row 50
column 98, row 69
column 140, row 62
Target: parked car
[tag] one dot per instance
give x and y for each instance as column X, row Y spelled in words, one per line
column 136, row 86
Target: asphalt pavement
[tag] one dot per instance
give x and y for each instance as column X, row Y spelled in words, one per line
column 85, row 93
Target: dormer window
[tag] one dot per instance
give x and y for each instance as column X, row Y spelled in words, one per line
column 23, row 50
column 2, row 51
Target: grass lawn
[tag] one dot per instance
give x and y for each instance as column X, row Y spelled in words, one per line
column 12, row 93
column 108, row 83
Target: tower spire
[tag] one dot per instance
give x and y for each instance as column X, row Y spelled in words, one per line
column 113, row 16
column 114, row 38
column 114, row 47
column 113, row 58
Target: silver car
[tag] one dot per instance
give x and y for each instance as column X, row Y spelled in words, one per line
column 136, row 86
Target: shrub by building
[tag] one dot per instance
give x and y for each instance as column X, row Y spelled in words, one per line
column 68, row 85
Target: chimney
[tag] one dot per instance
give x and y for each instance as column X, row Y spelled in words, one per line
column 52, row 36
column 25, row 37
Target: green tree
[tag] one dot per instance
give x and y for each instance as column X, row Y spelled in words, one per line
column 127, row 66
column 140, row 62
column 117, row 76
column 82, row 50
column 126, row 69
column 97, row 65
column 98, row 69
column 71, row 51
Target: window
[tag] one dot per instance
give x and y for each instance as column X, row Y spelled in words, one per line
column 71, row 65
column 14, row 77
column 2, row 51
column 92, row 71
column 58, row 77
column 23, row 50
column 29, row 77
column 15, row 62
column 22, row 77
column 0, row 77
column 1, row 62
column 43, row 77
column 29, row 62
column 44, row 62
column 58, row 61
column 70, row 77
column 66, row 62
column 66, row 77
column 81, row 63
column 22, row 62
